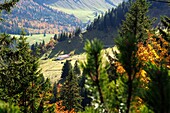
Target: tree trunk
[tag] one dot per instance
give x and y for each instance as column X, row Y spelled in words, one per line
column 100, row 92
column 129, row 94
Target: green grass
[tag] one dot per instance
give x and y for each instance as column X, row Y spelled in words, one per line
column 83, row 15
column 53, row 69
column 37, row 38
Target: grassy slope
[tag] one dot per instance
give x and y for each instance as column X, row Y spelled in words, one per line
column 37, row 38
column 77, row 43
column 53, row 69
column 84, row 9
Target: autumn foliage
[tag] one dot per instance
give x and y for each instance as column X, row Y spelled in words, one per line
column 59, row 108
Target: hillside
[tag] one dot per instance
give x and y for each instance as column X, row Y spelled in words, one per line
column 106, row 28
column 85, row 10
column 37, row 18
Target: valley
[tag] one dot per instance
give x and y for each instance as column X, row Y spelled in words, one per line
column 85, row 10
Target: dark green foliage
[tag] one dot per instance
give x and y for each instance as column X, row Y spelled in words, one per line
column 66, row 68
column 157, row 96
column 78, row 31
column 70, row 92
column 111, row 19
column 128, row 48
column 62, row 37
column 76, row 69
column 86, row 100
column 166, row 24
column 55, row 37
column 20, row 82
column 39, row 50
column 54, row 91
column 136, row 20
column 133, row 30
column 95, row 72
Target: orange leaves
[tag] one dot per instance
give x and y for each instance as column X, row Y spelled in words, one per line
column 155, row 50
column 146, row 53
column 59, row 108
column 119, row 68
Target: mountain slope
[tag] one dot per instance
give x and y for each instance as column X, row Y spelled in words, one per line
column 83, row 9
column 105, row 28
column 37, row 18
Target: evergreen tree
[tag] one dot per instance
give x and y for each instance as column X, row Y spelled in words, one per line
column 131, row 33
column 86, row 100
column 76, row 69
column 70, row 92
column 136, row 20
column 19, row 74
column 66, row 68
column 78, row 31
column 96, row 72
column 157, row 96
column 54, row 99
column 55, row 37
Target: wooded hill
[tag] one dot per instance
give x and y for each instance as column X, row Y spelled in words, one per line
column 105, row 27
column 37, row 18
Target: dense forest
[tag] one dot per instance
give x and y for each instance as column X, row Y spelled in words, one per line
column 135, row 80
column 36, row 18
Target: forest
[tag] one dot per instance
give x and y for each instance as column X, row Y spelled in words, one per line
column 36, row 19
column 135, row 79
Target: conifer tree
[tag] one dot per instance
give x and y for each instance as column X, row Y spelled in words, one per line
column 19, row 74
column 76, row 69
column 95, row 71
column 136, row 20
column 157, row 96
column 70, row 92
column 55, row 37
column 66, row 68
column 131, row 33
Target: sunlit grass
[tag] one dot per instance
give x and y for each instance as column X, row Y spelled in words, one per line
column 37, row 38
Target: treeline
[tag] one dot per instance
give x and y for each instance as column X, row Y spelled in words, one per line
column 39, row 49
column 112, row 19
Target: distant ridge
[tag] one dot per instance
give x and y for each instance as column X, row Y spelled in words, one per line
column 85, row 10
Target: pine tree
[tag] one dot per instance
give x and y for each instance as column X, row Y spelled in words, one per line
column 70, row 92
column 19, row 74
column 131, row 33
column 136, row 21
column 76, row 69
column 157, row 96
column 65, row 70
column 96, row 76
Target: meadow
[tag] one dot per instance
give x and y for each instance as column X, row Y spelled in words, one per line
column 52, row 68
column 37, row 38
